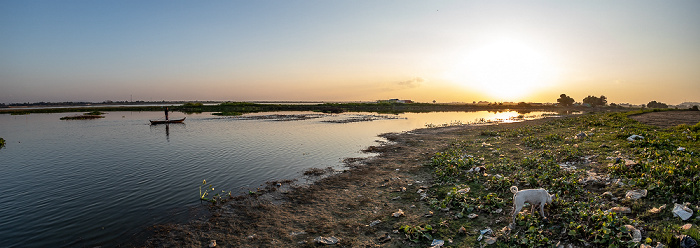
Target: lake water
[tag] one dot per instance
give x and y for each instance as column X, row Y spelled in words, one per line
column 99, row 182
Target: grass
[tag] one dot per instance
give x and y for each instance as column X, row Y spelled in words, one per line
column 541, row 157
column 2, row 142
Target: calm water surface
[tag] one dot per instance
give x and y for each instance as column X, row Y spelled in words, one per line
column 98, row 182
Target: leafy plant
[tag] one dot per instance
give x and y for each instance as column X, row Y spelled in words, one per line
column 214, row 198
column 416, row 233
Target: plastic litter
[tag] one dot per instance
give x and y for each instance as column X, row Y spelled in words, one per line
column 374, row 223
column 682, row 211
column 385, row 238
column 636, row 234
column 398, row 214
column 485, row 231
column 472, row 216
column 463, row 191
column 622, row 210
column 490, row 240
column 635, row 137
column 437, row 243
column 680, row 149
column 688, row 242
column 656, row 210
column 326, row 240
column 636, row 194
column 212, row 243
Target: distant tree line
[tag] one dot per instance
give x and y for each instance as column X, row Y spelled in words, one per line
column 655, row 104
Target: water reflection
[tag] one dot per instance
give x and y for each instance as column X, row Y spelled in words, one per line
column 92, row 183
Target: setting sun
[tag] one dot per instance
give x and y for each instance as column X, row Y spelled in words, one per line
column 504, row 69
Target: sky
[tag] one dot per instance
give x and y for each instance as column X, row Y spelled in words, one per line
column 448, row 51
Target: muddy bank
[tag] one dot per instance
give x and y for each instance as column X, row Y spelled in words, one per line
column 356, row 207
column 342, row 205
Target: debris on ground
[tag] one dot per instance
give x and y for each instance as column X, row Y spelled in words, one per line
column 437, row 243
column 485, row 231
column 635, row 137
column 326, row 240
column 490, row 240
column 212, row 243
column 636, row 194
column 656, row 210
column 621, row 210
column 472, row 216
column 636, row 233
column 682, row 211
column 688, row 242
column 374, row 223
column 385, row 238
column 398, row 214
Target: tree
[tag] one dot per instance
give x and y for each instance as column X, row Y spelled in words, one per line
column 565, row 100
column 595, row 101
column 654, row 104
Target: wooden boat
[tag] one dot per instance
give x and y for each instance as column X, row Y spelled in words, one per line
column 166, row 121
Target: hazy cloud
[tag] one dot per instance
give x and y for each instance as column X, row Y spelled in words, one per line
column 413, row 83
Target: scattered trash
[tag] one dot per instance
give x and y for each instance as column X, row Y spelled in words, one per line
column 635, row 137
column 680, row 149
column 688, row 242
column 396, row 198
column 636, row 194
column 428, row 215
column 687, row 226
column 657, row 210
column 462, row 230
column 682, row 211
column 398, row 213
column 472, row 216
column 252, row 236
column 463, row 191
column 477, row 169
column 385, row 238
column 212, row 243
column 636, row 234
column 621, row 210
column 437, row 243
column 498, row 211
column 490, row 240
column 297, row 233
column 374, row 223
column 485, row 231
column 581, row 135
column 326, row 240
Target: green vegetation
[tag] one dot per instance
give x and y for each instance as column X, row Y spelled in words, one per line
column 95, row 112
column 655, row 104
column 246, row 107
column 578, row 159
column 203, row 195
column 2, row 143
column 565, row 100
column 596, row 101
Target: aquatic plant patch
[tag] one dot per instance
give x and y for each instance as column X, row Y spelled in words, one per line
column 589, row 163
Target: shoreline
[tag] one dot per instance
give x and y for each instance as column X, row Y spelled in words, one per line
column 356, row 206
column 341, row 205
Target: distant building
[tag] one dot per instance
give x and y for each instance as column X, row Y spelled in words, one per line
column 395, row 101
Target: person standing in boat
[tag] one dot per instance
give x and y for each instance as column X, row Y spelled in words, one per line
column 166, row 113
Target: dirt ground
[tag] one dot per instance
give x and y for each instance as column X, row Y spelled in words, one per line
column 346, row 205
column 668, row 118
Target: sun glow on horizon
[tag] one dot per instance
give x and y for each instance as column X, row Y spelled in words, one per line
column 505, row 69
